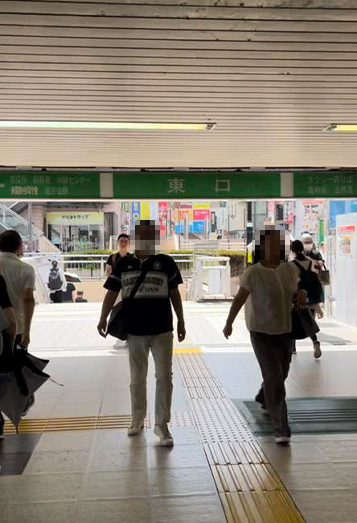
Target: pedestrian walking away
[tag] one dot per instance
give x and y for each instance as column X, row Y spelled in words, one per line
column 7, row 331
column 56, row 283
column 268, row 290
column 20, row 283
column 310, row 282
column 150, row 323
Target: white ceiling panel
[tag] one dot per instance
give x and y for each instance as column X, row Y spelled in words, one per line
column 272, row 74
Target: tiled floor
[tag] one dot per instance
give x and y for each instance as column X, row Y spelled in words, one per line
column 104, row 476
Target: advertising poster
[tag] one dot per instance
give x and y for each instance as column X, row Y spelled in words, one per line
column 163, row 215
column 135, row 212
column 201, row 215
column 345, row 240
column 125, row 217
column 154, row 211
column 145, row 210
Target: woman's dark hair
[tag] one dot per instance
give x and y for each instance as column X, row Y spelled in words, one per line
column 297, row 247
column 10, row 241
column 257, row 253
column 123, row 236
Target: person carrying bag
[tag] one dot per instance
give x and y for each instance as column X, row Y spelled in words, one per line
column 118, row 320
column 304, row 324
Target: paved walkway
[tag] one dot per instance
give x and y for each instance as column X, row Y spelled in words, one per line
column 85, row 475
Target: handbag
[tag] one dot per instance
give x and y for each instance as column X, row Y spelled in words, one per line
column 303, row 324
column 324, row 276
column 119, row 316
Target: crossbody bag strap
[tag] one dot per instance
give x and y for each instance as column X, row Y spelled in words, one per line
column 138, row 282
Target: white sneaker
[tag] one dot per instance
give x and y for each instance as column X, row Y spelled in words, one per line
column 135, row 429
column 166, row 439
column 317, row 350
column 282, row 440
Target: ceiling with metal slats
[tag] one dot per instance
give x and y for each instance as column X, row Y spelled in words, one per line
column 272, row 74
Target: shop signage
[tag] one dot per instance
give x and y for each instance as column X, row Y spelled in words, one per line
column 325, row 184
column 181, row 185
column 75, row 218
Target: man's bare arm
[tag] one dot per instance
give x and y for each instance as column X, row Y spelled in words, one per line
column 28, row 303
column 108, row 304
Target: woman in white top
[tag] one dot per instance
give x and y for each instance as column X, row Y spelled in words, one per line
column 268, row 288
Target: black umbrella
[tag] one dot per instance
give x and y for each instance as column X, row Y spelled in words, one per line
column 21, row 376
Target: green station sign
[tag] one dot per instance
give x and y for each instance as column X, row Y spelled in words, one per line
column 189, row 185
column 176, row 185
column 46, row 185
column 325, row 184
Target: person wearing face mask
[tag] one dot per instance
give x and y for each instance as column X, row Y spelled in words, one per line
column 310, row 250
column 312, row 254
column 150, row 323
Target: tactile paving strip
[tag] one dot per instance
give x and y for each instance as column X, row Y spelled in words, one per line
column 248, row 486
column 179, row 419
column 215, row 415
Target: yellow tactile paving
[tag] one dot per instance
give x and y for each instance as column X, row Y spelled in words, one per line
column 179, row 419
column 187, row 350
column 249, row 488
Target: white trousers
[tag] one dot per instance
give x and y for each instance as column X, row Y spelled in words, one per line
column 161, row 346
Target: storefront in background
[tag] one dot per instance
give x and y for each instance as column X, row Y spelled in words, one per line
column 76, row 231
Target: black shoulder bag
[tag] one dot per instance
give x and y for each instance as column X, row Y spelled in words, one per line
column 119, row 316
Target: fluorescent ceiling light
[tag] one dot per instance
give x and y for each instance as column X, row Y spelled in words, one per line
column 341, row 128
column 136, row 126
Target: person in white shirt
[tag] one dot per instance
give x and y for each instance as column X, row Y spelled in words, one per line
column 20, row 282
column 269, row 288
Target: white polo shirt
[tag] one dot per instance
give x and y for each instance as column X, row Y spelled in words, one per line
column 18, row 276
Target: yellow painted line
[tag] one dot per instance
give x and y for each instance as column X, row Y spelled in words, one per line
column 187, row 350
column 179, row 419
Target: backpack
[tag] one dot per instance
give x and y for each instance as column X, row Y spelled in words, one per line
column 54, row 280
column 309, row 281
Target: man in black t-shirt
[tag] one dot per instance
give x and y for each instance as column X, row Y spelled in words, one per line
column 150, row 323
column 123, row 243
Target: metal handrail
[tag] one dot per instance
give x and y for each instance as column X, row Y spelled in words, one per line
column 20, row 219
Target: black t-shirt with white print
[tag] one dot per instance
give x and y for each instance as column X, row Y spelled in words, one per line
column 150, row 311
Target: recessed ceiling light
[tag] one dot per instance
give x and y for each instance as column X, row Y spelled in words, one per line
column 341, row 128
column 136, row 126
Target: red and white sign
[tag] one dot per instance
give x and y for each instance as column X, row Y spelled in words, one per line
column 201, row 214
column 346, row 229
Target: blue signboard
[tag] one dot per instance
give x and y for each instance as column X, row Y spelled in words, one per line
column 341, row 207
column 135, row 212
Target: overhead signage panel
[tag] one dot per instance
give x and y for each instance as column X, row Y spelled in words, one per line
column 193, row 185
column 19, row 185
